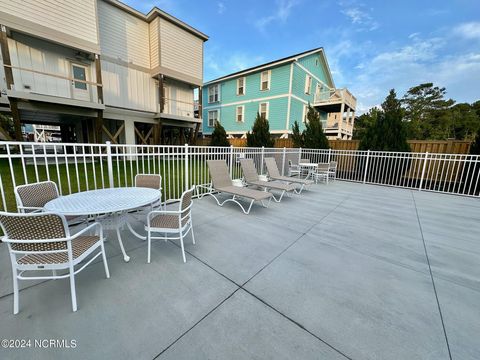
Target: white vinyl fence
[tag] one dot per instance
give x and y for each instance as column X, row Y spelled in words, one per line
column 80, row 167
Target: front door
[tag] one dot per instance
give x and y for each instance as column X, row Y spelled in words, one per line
column 80, row 90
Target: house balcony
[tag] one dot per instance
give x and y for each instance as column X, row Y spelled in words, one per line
column 331, row 101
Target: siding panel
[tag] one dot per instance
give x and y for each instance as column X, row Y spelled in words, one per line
column 154, row 29
column 180, row 50
column 123, row 36
column 128, row 88
column 71, row 17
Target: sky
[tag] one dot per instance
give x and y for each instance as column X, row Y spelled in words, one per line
column 371, row 46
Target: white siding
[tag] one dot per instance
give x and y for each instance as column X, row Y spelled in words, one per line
column 123, row 36
column 180, row 50
column 154, row 34
column 29, row 57
column 71, row 17
column 128, row 88
column 3, row 82
column 180, row 99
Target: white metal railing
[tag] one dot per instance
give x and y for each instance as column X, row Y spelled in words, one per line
column 80, row 167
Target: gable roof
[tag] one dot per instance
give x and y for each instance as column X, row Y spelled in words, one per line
column 271, row 64
column 157, row 12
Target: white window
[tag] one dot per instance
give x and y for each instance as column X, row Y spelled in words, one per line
column 308, row 84
column 240, row 113
column 265, row 80
column 241, row 86
column 213, row 93
column 263, row 109
column 212, row 118
column 304, row 115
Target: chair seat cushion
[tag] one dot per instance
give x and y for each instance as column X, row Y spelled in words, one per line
column 79, row 246
column 166, row 222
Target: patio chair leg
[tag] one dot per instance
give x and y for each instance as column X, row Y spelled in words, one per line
column 72, row 288
column 149, row 246
column 183, row 250
column 191, row 229
column 105, row 264
column 15, row 286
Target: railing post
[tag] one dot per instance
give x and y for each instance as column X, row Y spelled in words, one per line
column 329, row 155
column 186, row 167
column 283, row 160
column 366, row 167
column 423, row 171
column 299, row 155
column 231, row 161
column 261, row 160
column 110, row 164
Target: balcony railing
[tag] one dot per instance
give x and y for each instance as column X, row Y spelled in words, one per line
column 80, row 167
column 335, row 96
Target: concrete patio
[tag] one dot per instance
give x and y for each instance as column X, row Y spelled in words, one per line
column 342, row 271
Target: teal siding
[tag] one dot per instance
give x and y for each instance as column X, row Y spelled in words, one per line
column 277, row 115
column 296, row 114
column 319, row 70
column 279, row 81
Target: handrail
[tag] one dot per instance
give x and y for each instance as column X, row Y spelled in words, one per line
column 53, row 75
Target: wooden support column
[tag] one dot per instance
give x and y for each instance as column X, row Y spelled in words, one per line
column 157, row 130
column 10, row 83
column 161, row 94
column 99, row 118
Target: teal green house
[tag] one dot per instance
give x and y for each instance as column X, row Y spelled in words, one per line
column 281, row 91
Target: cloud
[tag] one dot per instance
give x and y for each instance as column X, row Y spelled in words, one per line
column 358, row 15
column 418, row 60
column 234, row 62
column 281, row 14
column 469, row 30
column 221, row 7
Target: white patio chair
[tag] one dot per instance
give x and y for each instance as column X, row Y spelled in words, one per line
column 332, row 170
column 152, row 181
column 322, row 172
column 42, row 242
column 31, row 198
column 171, row 222
column 293, row 169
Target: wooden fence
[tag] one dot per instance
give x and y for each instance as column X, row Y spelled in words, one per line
column 420, row 146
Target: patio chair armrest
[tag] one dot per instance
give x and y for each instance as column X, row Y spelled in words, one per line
column 95, row 226
column 34, row 209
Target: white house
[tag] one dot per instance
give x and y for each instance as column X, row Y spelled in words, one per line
column 100, row 70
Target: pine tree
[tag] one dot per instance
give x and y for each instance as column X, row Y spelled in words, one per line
column 260, row 135
column 388, row 132
column 297, row 136
column 313, row 135
column 219, row 136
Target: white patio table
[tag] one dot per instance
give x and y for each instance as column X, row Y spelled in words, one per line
column 115, row 202
column 310, row 167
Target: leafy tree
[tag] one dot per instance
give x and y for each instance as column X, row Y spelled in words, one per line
column 387, row 133
column 6, row 123
column 297, row 136
column 475, row 147
column 260, row 135
column 313, row 135
column 219, row 136
column 363, row 122
column 464, row 122
column 425, row 111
